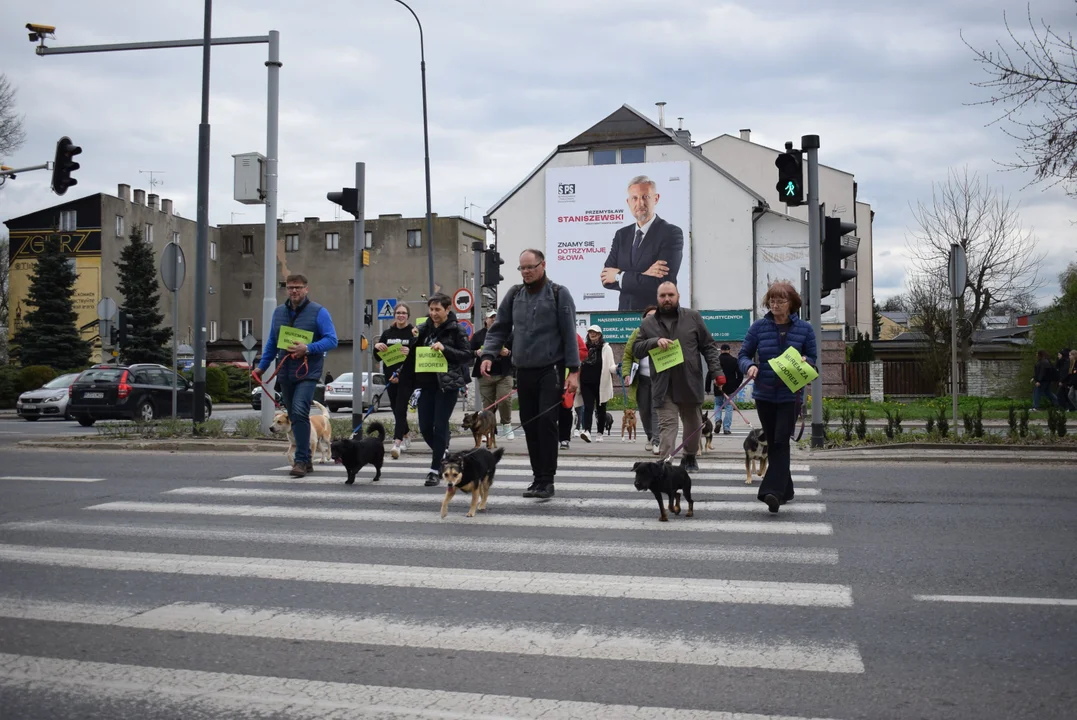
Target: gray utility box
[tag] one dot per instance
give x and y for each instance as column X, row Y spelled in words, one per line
column 250, row 188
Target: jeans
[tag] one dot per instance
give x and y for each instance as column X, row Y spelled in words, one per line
column 494, row 387
column 1042, row 390
column 778, row 420
column 643, row 402
column 435, row 407
column 399, row 395
column 539, row 391
column 297, row 397
column 727, row 412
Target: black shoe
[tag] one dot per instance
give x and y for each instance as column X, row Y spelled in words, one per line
column 310, row 467
column 727, row 432
column 545, row 492
column 432, row 479
column 772, row 502
column 689, row 463
column 530, row 491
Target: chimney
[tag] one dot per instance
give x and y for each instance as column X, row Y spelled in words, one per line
column 140, row 197
column 310, row 219
column 661, row 114
column 746, row 134
column 123, row 192
column 152, row 200
column 166, row 206
column 680, row 123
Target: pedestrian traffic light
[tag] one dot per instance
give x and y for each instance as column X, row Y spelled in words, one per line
column 120, row 328
column 790, row 184
column 347, row 198
column 491, row 272
column 64, row 165
column 368, row 313
column 835, row 250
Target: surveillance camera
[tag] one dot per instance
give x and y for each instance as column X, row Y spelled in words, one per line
column 41, row 29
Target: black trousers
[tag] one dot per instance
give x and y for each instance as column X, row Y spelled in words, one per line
column 778, row 421
column 539, row 391
column 565, row 420
column 399, row 395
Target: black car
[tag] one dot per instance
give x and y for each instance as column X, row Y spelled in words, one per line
column 141, row 391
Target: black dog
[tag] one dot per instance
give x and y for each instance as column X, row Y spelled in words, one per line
column 470, row 471
column 607, row 424
column 358, row 451
column 707, row 439
column 663, row 478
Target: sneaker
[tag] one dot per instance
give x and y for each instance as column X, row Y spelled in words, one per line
column 726, row 431
column 772, row 501
column 585, row 436
column 564, row 444
column 545, row 492
column 407, row 443
column 599, row 437
column 654, row 448
column 432, row 478
column 395, row 452
column 575, row 432
column 689, row 463
column 298, row 470
column 530, row 491
column 510, row 434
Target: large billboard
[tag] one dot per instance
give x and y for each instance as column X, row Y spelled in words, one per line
column 593, row 247
column 774, row 263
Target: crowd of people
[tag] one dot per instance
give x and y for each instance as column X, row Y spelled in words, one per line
column 1055, row 380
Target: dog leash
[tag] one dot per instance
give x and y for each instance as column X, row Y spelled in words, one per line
column 683, row 443
column 373, row 401
column 736, row 409
column 495, row 402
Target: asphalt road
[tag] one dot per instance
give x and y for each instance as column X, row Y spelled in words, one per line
column 147, row 585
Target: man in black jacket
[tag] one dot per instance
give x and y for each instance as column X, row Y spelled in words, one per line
column 498, row 385
column 644, row 254
column 734, row 377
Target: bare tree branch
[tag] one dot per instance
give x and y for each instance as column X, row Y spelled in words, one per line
column 11, row 132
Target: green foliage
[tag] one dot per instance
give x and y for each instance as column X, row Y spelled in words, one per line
column 826, row 416
column 893, row 422
column 848, row 416
column 146, row 338
column 931, row 426
column 1056, row 422
column 943, row 421
column 978, row 420
column 216, row 384
column 862, row 349
column 249, row 427
column 9, row 383
column 1022, row 425
column 876, row 320
column 1055, row 328
column 862, row 424
column 49, row 334
column 1011, row 419
column 34, row 376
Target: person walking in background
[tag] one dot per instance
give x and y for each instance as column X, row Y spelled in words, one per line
column 498, row 386
column 723, row 397
column 1042, row 375
column 542, row 316
column 300, row 364
column 401, row 332
column 1062, row 369
column 1069, row 381
column 770, row 336
column 596, row 382
column 639, row 390
column 440, row 390
column 328, row 377
column 567, row 417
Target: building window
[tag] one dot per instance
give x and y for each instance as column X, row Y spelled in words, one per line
column 147, row 234
column 175, row 237
column 291, row 243
column 603, row 157
column 68, row 220
column 247, row 287
column 415, row 238
column 212, row 331
column 332, row 241
column 246, row 327
column 248, row 244
column 119, row 226
column 212, row 250
column 632, row 155
column 368, row 240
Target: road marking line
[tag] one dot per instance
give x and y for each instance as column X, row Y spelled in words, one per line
column 698, row 552
column 771, row 525
column 216, row 694
column 419, row 498
column 420, row 461
column 417, row 473
column 541, row 639
column 755, row 592
column 996, row 600
column 51, row 479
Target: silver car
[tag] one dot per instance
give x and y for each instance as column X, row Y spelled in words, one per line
column 338, row 394
column 49, row 400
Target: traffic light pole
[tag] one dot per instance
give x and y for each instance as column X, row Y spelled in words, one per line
column 810, row 144
column 269, row 270
column 358, row 297
column 201, row 247
column 479, row 318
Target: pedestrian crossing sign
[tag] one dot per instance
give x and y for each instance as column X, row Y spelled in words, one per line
column 386, row 308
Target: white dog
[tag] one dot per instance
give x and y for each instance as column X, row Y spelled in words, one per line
column 321, row 432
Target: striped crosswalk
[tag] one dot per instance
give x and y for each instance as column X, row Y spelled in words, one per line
column 585, row 581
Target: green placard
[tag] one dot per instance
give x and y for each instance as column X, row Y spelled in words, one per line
column 427, row 360
column 793, row 371
column 392, row 355
column 287, row 336
column 670, row 357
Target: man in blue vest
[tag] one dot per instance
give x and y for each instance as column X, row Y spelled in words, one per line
column 301, row 364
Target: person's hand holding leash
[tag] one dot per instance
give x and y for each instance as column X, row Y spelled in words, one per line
column 256, row 373
column 572, row 382
column 752, row 372
column 298, row 349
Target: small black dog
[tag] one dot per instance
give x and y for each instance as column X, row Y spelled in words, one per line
column 357, row 451
column 470, row 471
column 663, row 478
column 755, row 451
column 607, row 425
column 706, row 442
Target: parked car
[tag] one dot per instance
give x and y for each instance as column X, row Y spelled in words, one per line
column 256, row 395
column 142, row 391
column 338, row 394
column 49, row 400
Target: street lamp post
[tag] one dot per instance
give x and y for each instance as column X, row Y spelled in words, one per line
column 426, row 151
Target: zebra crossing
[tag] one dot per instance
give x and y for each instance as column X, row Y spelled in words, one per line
column 574, row 583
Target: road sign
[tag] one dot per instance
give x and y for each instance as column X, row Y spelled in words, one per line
column 106, row 309
column 468, row 327
column 173, row 269
column 248, row 341
column 386, row 308
column 249, row 355
column 462, row 300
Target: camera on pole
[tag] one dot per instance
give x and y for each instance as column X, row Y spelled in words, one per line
column 790, row 183
column 64, row 165
column 835, row 250
column 491, row 273
column 347, row 198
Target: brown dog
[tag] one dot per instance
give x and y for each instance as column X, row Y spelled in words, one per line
column 707, row 441
column 628, row 423
column 471, row 471
column 482, row 423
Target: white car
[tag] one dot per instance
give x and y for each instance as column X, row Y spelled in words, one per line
column 49, row 400
column 338, row 394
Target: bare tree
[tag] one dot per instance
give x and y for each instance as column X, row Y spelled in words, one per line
column 1035, row 82
column 1003, row 262
column 11, row 132
column 896, row 303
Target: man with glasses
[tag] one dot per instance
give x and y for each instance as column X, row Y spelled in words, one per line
column 301, row 364
column 540, row 315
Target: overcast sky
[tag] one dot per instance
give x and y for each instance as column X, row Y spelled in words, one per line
column 887, row 87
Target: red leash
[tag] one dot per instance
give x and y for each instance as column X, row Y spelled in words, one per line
column 265, row 390
column 495, row 402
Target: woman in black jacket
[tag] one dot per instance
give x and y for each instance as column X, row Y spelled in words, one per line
column 1042, row 376
column 440, row 390
column 402, row 333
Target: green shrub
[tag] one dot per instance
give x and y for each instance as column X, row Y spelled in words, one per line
column 943, row 421
column 9, row 383
column 216, row 384
column 1011, row 419
column 978, row 420
column 1022, row 423
column 848, row 416
column 34, row 376
column 250, row 427
column 862, row 424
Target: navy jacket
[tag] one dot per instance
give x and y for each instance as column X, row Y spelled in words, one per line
column 763, row 339
column 308, row 316
column 663, row 241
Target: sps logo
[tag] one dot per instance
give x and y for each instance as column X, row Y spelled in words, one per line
column 566, row 189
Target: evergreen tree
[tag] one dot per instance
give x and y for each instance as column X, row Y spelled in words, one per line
column 146, row 338
column 49, row 334
column 876, row 319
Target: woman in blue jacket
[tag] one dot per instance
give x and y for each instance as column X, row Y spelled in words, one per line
column 769, row 337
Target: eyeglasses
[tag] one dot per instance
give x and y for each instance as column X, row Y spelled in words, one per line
column 779, row 301
column 296, row 288
column 525, row 268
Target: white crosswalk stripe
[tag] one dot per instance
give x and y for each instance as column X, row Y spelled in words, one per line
column 417, row 472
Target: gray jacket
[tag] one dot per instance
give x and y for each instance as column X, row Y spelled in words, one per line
column 682, row 383
column 542, row 324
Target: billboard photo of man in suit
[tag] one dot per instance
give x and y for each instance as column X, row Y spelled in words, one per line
column 644, row 254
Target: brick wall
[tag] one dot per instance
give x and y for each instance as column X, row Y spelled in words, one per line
column 992, row 378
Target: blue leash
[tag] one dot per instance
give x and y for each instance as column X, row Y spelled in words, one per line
column 373, row 403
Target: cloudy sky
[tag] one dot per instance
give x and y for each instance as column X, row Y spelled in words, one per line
column 886, row 86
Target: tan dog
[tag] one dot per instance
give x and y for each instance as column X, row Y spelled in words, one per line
column 628, row 422
column 471, row 472
column 321, row 432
